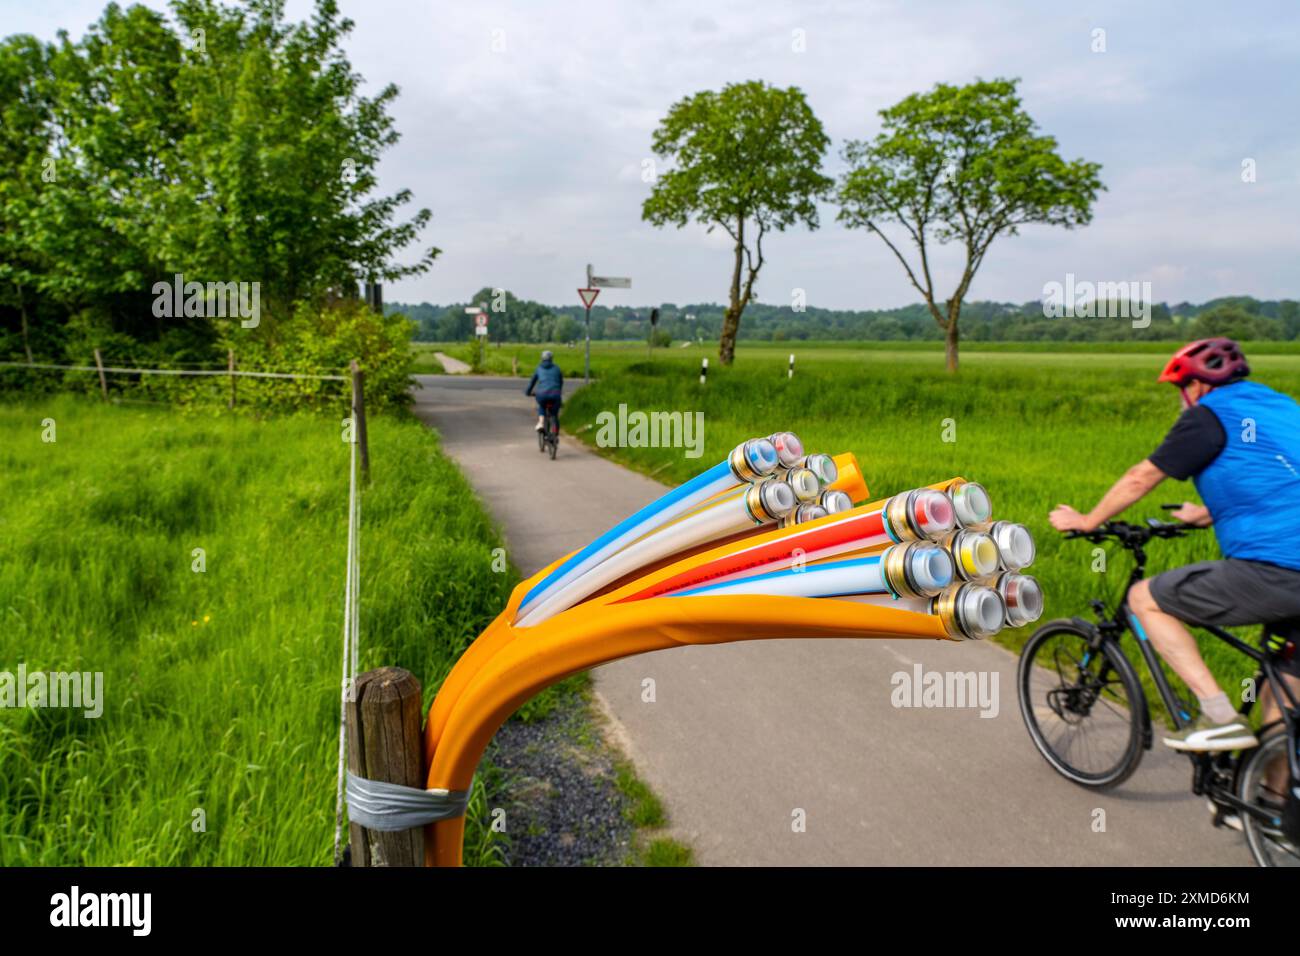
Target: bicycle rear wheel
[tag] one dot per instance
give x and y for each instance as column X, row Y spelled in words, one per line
column 1083, row 708
column 1268, row 844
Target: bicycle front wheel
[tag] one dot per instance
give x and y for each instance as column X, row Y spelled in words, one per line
column 1262, row 783
column 1083, row 708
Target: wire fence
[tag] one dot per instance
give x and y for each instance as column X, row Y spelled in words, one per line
column 178, row 372
column 351, row 637
column 359, row 465
column 222, row 372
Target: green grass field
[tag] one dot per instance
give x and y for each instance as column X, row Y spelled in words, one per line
column 1037, row 428
column 221, row 688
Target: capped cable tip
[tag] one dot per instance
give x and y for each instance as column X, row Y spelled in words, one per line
column 1015, row 544
column 804, row 483
column 970, row 611
column 1023, row 597
column 971, row 504
column 808, row 511
column 835, row 501
column 974, row 553
column 789, row 449
column 917, row 569
column 824, row 467
column 753, row 460
column 923, row 513
column 769, row 500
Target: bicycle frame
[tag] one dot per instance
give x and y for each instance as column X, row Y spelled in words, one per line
column 1286, row 700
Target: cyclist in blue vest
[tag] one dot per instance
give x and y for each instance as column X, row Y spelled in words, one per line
column 547, row 387
column 1239, row 441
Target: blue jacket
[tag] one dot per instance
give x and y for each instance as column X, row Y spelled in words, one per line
column 548, row 380
column 1253, row 487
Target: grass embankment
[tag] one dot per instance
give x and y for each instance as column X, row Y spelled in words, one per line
column 1036, row 429
column 220, row 686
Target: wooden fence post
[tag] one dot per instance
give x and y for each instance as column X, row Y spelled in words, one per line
column 230, row 365
column 384, row 743
column 103, row 382
column 359, row 417
column 514, row 365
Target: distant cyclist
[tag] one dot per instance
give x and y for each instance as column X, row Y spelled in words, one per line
column 547, row 387
column 1239, row 441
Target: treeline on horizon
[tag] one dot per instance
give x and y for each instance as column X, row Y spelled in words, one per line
column 522, row 320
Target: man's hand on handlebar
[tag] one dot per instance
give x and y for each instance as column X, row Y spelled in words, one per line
column 1065, row 518
column 1193, row 514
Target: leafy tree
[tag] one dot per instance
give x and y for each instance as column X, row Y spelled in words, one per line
column 961, row 164
column 1289, row 315
column 567, row 329
column 229, row 145
column 24, row 144
column 749, row 154
column 282, row 153
column 1235, row 322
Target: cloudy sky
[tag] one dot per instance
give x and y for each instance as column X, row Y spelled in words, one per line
column 525, row 125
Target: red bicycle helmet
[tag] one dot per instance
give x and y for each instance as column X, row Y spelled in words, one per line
column 1212, row 361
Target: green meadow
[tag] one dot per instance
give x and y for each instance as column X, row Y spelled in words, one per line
column 218, row 738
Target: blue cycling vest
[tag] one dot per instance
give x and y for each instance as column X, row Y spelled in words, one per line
column 1253, row 487
column 549, row 380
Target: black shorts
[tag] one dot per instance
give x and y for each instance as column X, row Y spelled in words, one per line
column 1229, row 593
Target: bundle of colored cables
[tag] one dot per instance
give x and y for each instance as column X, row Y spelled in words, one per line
column 771, row 542
column 930, row 550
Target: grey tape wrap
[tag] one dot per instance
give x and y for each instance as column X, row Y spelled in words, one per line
column 377, row 805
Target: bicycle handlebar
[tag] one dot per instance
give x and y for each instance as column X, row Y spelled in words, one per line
column 1131, row 535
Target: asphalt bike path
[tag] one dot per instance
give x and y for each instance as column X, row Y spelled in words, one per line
column 794, row 752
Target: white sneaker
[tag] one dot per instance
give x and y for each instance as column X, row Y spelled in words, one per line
column 538, row 427
column 1205, row 736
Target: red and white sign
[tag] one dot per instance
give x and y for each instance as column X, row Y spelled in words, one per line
column 588, row 296
column 480, row 323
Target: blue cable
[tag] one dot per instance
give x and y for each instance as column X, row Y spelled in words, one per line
column 699, row 487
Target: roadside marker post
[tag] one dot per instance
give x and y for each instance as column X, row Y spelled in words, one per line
column 103, row 382
column 790, row 374
column 480, row 327
column 704, row 371
column 359, row 417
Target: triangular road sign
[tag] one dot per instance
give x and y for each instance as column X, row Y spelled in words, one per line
column 588, row 296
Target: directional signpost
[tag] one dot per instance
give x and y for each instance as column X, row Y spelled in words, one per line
column 588, row 296
column 594, row 285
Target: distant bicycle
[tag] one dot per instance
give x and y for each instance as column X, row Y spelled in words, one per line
column 548, row 436
column 1088, row 715
column 547, row 387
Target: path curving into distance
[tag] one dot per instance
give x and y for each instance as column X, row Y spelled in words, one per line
column 742, row 736
column 452, row 366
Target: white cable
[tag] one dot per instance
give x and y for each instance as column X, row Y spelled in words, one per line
column 921, row 605
column 879, row 541
column 349, row 650
column 726, row 517
column 856, row 576
column 620, row 537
